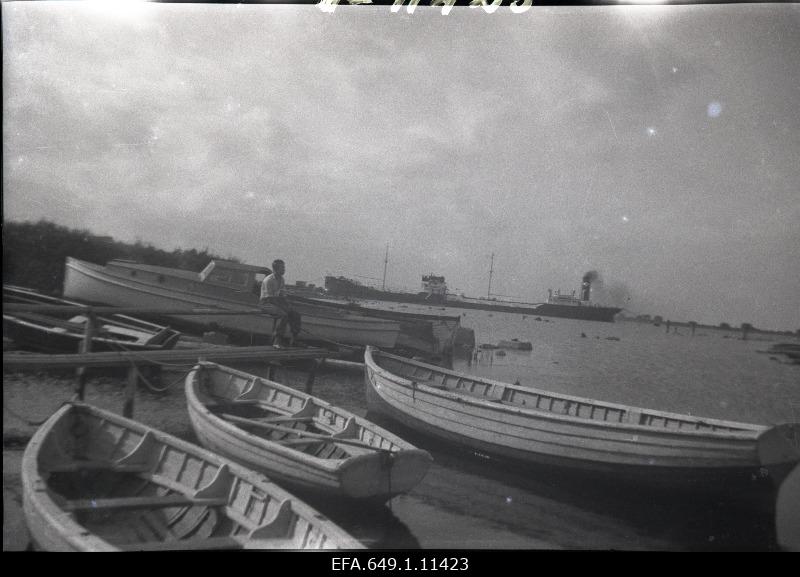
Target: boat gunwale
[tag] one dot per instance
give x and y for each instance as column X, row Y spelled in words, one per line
column 750, row 431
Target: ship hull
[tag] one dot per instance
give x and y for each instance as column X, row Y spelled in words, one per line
column 341, row 288
column 582, row 312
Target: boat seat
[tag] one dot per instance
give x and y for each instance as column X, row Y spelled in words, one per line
column 76, row 466
column 150, row 502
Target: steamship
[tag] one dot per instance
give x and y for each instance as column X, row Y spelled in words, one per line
column 434, row 291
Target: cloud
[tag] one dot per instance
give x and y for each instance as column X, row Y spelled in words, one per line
column 263, row 130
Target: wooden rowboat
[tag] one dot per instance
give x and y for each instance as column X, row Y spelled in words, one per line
column 298, row 439
column 95, row 481
column 64, row 332
column 426, row 334
column 535, row 426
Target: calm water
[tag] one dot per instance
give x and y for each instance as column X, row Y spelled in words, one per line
column 468, row 502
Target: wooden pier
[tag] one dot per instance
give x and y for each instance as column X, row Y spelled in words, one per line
column 86, row 359
column 134, row 360
column 268, row 355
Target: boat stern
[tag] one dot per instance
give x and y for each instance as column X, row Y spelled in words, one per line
column 384, row 474
column 779, row 450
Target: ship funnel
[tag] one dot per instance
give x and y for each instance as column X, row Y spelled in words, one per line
column 586, row 285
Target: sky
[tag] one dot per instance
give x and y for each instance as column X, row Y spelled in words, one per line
column 656, row 145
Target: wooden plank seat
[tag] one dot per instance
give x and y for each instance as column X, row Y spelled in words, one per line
column 76, row 466
column 303, row 436
column 150, row 502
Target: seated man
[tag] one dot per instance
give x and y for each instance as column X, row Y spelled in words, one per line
column 274, row 293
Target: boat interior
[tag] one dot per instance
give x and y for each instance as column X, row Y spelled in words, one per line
column 282, row 415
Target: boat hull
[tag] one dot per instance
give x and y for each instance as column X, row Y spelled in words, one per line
column 430, row 335
column 583, row 312
column 502, row 421
column 95, row 481
column 787, row 512
column 342, row 288
column 389, row 466
column 158, row 287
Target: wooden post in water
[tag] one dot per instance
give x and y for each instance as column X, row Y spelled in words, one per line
column 130, row 392
column 85, row 347
column 312, row 373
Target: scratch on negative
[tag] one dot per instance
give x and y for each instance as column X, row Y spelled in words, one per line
column 611, row 123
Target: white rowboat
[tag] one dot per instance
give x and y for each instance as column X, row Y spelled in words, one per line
column 535, row 426
column 297, row 439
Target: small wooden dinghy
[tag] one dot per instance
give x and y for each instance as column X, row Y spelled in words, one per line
column 63, row 332
column 95, row 481
column 298, row 439
column 535, row 426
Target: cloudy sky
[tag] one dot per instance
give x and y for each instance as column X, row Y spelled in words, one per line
column 656, row 145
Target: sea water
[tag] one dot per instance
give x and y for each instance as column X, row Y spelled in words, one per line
column 474, row 503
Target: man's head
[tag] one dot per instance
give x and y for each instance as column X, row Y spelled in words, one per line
column 278, row 267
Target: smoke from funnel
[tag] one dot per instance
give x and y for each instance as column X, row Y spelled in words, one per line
column 615, row 294
column 586, row 286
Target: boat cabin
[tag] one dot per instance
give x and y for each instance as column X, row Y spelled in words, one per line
column 233, row 275
column 558, row 299
column 434, row 286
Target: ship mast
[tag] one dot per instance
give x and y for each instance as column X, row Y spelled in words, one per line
column 385, row 264
column 491, row 270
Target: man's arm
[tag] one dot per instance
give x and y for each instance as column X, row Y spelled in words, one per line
column 274, row 295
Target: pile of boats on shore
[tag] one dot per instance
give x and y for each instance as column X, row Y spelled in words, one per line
column 96, row 481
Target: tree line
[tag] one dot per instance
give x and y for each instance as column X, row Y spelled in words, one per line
column 34, row 254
